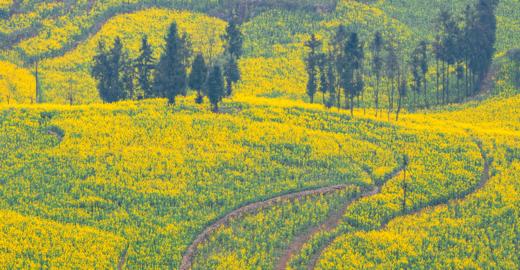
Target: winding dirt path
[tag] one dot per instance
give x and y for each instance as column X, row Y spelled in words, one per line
column 192, row 249
column 330, row 224
column 484, row 178
column 122, row 259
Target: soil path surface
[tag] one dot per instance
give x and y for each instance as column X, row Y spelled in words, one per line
column 192, row 249
column 329, row 225
column 484, row 178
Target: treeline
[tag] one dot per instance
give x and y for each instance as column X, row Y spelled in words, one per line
column 463, row 48
column 120, row 77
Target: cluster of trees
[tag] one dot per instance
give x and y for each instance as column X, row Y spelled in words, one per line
column 514, row 56
column 120, row 77
column 463, row 47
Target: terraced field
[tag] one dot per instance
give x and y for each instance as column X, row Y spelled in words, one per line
column 270, row 182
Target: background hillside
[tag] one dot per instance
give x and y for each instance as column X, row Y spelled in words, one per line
column 271, row 181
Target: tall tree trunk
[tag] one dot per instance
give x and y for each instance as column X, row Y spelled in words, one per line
column 377, row 94
column 437, row 81
column 425, row 85
column 352, row 105
column 466, row 81
column 398, row 108
column 448, row 84
column 443, row 82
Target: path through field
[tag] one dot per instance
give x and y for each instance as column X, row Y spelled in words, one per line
column 484, row 178
column 329, row 225
column 192, row 249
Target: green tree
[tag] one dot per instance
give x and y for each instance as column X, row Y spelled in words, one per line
column 145, row 64
column 350, row 73
column 128, row 79
column 100, row 71
column 233, row 40
column 216, row 89
column 391, row 67
column 514, row 57
column 170, row 75
column 338, row 48
column 331, row 78
column 109, row 66
column 402, row 91
column 485, row 26
column 415, row 65
column 377, row 64
column 423, row 63
column 117, row 60
column 198, row 76
column 311, row 62
column 232, row 74
column 324, row 82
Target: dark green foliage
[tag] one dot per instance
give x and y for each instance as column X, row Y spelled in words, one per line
column 233, row 50
column 514, row 57
column 234, row 40
column 170, row 75
column 324, row 82
column 377, row 63
column 351, row 69
column 391, row 67
column 331, row 81
column 145, row 64
column 109, row 67
column 232, row 73
column 198, row 76
column 402, row 91
column 423, row 63
column 216, row 88
column 311, row 63
column 100, row 71
column 128, row 79
column 415, row 65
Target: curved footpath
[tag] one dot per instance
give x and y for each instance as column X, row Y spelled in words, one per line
column 331, row 223
column 192, row 249
column 484, row 178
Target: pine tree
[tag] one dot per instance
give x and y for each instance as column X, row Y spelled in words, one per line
column 109, row 66
column 514, row 57
column 415, row 65
column 402, row 90
column 486, row 27
column 338, row 48
column 233, row 50
column 350, row 73
column 423, row 63
column 100, row 71
column 314, row 46
column 232, row 74
column 198, row 76
column 128, row 79
column 145, row 65
column 377, row 64
column 116, row 67
column 324, row 83
column 234, row 40
column 170, row 76
column 331, row 78
column 216, row 88
column 447, row 48
column 186, row 54
column 391, row 66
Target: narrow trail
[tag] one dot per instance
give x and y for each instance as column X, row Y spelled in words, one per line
column 331, row 223
column 122, row 259
column 484, row 178
column 192, row 249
